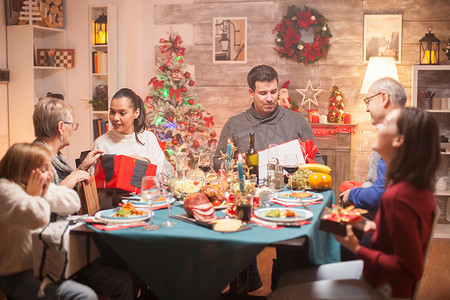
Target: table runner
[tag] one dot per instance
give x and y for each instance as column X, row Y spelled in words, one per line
column 192, row 262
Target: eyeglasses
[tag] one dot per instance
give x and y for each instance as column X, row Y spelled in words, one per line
column 74, row 125
column 368, row 99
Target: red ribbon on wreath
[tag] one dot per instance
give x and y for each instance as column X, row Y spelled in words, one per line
column 304, row 19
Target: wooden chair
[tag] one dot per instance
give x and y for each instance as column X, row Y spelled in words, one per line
column 427, row 251
column 88, row 197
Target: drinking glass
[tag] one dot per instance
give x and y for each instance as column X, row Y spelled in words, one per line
column 165, row 191
column 205, row 162
column 272, row 160
column 267, row 192
column 244, row 207
column 150, row 191
column 290, row 165
column 181, row 163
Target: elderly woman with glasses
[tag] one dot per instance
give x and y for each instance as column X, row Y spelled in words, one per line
column 53, row 128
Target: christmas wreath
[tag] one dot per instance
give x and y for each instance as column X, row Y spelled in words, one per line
column 288, row 40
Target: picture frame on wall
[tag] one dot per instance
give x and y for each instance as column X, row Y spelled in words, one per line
column 46, row 13
column 230, row 40
column 383, row 36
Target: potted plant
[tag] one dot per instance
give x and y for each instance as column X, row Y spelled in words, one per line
column 99, row 100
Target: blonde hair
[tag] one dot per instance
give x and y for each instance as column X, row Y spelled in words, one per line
column 21, row 159
column 47, row 115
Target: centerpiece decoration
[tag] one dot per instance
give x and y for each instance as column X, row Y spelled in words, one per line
column 171, row 108
column 289, row 42
column 336, row 106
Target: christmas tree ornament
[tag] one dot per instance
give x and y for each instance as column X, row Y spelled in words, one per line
column 309, row 96
column 336, row 106
column 213, row 134
column 175, row 114
column 176, row 75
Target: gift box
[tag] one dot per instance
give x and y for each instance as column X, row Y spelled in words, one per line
column 122, row 172
column 335, row 222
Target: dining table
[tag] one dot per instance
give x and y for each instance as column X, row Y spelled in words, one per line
column 188, row 261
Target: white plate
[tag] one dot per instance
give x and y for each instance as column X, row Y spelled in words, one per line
column 142, row 204
column 105, row 215
column 303, row 215
column 313, row 198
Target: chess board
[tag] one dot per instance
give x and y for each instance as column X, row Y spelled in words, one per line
column 63, row 58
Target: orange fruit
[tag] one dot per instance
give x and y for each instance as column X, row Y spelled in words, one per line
column 315, row 181
column 327, row 180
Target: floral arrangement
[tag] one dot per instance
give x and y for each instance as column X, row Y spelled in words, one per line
column 289, row 42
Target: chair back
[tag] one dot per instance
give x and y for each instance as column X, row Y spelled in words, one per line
column 427, row 251
column 88, row 197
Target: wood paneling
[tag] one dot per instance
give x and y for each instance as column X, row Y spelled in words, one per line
column 222, row 88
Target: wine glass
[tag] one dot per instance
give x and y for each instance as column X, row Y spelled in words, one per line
column 150, row 191
column 181, row 164
column 205, row 162
column 165, row 191
column 290, row 165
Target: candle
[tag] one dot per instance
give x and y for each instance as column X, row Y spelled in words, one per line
column 430, row 60
column 315, row 118
column 347, row 118
column 241, row 173
column 323, row 119
column 228, row 152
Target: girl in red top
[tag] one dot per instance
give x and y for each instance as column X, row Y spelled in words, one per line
column 408, row 141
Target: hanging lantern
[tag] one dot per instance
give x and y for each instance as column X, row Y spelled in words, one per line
column 101, row 30
column 429, row 49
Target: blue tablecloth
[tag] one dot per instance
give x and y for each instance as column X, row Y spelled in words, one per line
column 192, row 262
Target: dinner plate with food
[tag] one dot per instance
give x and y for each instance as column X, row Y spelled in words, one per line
column 161, row 201
column 285, row 215
column 296, row 196
column 125, row 214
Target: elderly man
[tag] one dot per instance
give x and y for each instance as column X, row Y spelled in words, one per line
column 385, row 95
column 270, row 122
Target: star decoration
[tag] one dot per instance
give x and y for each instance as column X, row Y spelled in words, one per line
column 309, row 95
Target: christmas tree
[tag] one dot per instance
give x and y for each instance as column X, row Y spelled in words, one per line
column 172, row 111
column 336, row 106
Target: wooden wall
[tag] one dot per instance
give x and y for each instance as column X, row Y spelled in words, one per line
column 222, row 88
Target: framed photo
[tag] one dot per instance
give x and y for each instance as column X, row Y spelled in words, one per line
column 230, row 40
column 46, row 13
column 383, row 36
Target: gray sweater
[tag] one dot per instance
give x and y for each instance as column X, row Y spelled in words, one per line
column 281, row 126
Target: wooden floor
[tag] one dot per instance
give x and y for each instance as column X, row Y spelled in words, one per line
column 435, row 283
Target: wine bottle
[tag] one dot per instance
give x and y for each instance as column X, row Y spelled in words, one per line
column 251, row 157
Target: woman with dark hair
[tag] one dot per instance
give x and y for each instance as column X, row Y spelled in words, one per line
column 408, row 141
column 128, row 135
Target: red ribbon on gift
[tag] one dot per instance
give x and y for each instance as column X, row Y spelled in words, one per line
column 309, row 150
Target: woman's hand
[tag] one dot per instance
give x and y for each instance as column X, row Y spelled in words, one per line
column 75, row 177
column 37, row 184
column 369, row 226
column 350, row 241
column 90, row 159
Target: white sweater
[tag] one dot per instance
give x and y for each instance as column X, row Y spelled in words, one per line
column 113, row 142
column 20, row 214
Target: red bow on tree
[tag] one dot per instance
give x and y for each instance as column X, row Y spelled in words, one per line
column 172, row 45
column 158, row 84
column 209, row 120
column 175, row 92
column 309, row 150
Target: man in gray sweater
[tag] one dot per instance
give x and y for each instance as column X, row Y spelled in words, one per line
column 270, row 122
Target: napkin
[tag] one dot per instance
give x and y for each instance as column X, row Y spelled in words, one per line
column 282, row 203
column 117, row 227
column 273, row 225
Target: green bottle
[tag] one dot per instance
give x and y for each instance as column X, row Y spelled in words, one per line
column 252, row 157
